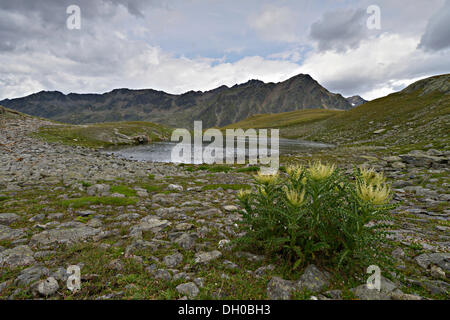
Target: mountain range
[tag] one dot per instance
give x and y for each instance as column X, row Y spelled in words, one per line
column 216, row 108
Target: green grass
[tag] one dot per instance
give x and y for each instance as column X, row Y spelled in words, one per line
column 209, row 168
column 125, row 190
column 151, row 188
column 88, row 201
column 102, row 134
column 248, row 169
column 285, row 119
column 3, row 198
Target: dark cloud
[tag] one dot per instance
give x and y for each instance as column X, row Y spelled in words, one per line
column 437, row 33
column 339, row 30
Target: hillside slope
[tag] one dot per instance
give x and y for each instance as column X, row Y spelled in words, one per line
column 218, row 107
column 417, row 115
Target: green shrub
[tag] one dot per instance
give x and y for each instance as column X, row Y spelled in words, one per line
column 317, row 215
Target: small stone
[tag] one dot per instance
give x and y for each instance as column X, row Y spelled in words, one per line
column 175, row 187
column 398, row 165
column 200, row 282
column 205, row 257
column 186, row 241
column 173, row 260
column 398, row 253
column 405, row 296
column 224, row 243
column 441, row 260
column 230, row 208
column 8, row 218
column 189, row 289
column 387, row 287
column 48, row 287
column 30, row 275
column 16, row 257
column 313, row 279
column 437, row 272
column 85, row 213
column 115, row 264
column 183, row 227
column 263, row 270
column 280, row 289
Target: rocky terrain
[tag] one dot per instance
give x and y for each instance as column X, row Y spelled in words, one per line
column 160, row 231
column 218, row 107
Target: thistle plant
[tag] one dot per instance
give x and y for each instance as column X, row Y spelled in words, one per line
column 316, row 214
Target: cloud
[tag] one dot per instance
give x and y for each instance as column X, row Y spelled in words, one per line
column 179, row 46
column 340, row 30
column 275, row 24
column 378, row 66
column 437, row 33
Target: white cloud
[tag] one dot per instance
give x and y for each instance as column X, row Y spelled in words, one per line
column 377, row 67
column 148, row 67
column 275, row 24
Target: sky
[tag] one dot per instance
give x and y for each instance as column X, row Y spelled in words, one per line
column 182, row 45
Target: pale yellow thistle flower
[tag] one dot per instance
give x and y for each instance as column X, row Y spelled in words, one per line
column 266, row 178
column 370, row 176
column 319, row 171
column 243, row 193
column 294, row 197
column 294, row 171
column 304, row 180
column 377, row 195
column 262, row 190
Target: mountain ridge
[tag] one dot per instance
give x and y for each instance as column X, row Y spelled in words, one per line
column 217, row 107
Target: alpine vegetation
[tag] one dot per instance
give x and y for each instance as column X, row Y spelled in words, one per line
column 317, row 214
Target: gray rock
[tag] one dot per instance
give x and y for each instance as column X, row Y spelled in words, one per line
column 162, row 274
column 398, row 253
column 387, row 287
column 200, row 282
column 186, row 241
column 175, row 187
column 280, row 289
column 441, row 260
column 206, row 257
column 4, row 285
column 63, row 236
column 230, row 265
column 37, row 218
column 60, row 274
column 16, row 257
column 263, row 270
column 48, row 287
column 31, row 275
column 85, row 213
column 98, row 189
column 313, row 279
column 150, row 223
column 230, row 208
column 8, row 218
column 173, row 260
column 7, row 233
column 56, row 216
column 189, row 289
column 334, row 294
column 116, row 265
column 405, row 296
column 434, row 286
